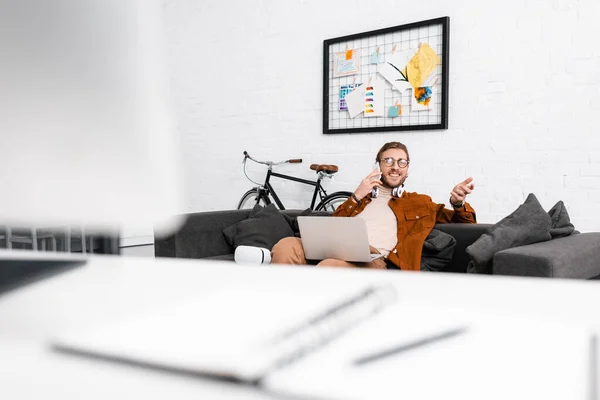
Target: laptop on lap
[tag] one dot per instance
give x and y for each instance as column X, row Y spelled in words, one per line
column 342, row 238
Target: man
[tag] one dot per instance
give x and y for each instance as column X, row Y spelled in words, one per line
column 397, row 222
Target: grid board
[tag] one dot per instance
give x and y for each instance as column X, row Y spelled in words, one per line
column 405, row 37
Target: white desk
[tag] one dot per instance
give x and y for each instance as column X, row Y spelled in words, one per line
column 110, row 286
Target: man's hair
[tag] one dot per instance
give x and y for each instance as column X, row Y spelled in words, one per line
column 392, row 145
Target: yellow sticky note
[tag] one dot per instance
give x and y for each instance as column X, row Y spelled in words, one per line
column 421, row 65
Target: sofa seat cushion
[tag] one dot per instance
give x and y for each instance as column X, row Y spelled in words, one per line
column 224, row 257
column 576, row 256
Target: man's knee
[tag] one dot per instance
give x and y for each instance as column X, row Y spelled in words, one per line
column 288, row 250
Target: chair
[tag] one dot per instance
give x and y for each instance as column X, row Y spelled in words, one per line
column 70, row 237
column 38, row 238
column 4, row 238
column 65, row 239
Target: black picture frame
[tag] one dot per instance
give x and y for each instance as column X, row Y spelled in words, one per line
column 336, row 121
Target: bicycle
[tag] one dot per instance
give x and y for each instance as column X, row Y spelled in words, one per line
column 262, row 194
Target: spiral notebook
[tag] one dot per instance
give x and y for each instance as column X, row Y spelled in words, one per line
column 238, row 334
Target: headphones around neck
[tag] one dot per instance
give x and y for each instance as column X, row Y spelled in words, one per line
column 396, row 192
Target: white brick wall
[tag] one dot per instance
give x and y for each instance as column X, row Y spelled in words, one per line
column 524, row 99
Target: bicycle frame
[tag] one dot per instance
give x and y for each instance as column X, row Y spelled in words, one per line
column 269, row 190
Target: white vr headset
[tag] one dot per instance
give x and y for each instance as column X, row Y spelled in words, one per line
column 252, row 255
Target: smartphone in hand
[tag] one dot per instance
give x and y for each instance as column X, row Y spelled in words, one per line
column 375, row 190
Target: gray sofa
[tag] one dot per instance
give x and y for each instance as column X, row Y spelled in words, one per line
column 576, row 256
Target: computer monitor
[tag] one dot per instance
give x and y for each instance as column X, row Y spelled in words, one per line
column 86, row 130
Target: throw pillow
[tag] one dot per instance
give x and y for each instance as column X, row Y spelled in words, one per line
column 561, row 223
column 528, row 224
column 264, row 227
column 438, row 250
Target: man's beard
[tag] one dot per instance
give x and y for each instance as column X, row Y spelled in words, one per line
column 388, row 185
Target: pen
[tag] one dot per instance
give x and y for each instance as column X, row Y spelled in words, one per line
column 408, row 346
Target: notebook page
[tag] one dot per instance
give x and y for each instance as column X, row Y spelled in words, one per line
column 222, row 334
column 497, row 357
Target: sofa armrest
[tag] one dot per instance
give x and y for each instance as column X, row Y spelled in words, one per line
column 164, row 246
column 575, row 256
column 465, row 235
column 200, row 236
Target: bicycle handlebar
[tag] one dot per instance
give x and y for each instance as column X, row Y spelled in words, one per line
column 291, row 161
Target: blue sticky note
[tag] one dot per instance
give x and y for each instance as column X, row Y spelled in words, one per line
column 374, row 58
column 393, row 112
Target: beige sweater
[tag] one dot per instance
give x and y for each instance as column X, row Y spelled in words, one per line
column 381, row 222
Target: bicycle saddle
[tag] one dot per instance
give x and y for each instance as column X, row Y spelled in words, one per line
column 328, row 168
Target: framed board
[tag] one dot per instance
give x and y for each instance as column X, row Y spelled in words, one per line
column 392, row 79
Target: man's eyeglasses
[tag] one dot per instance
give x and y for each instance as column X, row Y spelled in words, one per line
column 389, row 162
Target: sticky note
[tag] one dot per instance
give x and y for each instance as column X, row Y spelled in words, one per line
column 394, row 111
column 375, row 58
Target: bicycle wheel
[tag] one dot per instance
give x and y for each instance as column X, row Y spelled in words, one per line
column 332, row 201
column 248, row 200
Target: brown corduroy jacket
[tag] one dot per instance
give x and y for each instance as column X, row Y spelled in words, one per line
column 416, row 215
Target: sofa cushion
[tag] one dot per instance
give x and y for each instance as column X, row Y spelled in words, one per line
column 465, row 235
column 438, row 250
column 574, row 256
column 264, row 227
column 224, row 257
column 561, row 223
column 528, row 224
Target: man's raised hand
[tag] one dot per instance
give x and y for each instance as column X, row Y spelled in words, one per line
column 460, row 192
